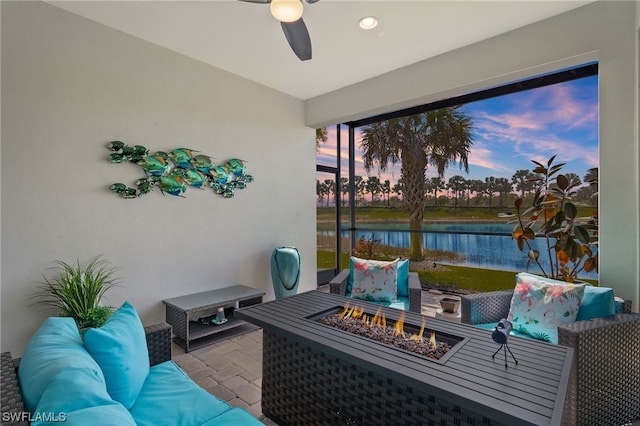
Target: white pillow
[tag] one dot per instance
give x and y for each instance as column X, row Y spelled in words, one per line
column 374, row 280
column 539, row 305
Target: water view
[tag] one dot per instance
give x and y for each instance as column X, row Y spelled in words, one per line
column 486, row 245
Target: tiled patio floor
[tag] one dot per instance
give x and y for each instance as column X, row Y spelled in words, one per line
column 231, row 369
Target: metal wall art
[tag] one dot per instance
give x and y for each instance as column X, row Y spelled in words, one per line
column 173, row 172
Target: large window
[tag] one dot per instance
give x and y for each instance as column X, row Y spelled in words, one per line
column 438, row 181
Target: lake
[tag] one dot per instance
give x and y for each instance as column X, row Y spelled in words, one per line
column 483, row 245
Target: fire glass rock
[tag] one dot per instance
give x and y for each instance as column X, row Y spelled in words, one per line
column 387, row 335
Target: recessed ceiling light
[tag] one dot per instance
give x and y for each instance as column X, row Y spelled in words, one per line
column 368, row 22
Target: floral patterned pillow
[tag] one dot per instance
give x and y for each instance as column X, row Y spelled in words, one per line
column 539, row 305
column 374, row 280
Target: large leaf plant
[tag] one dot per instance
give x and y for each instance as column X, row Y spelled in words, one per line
column 571, row 241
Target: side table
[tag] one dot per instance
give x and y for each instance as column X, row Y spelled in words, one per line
column 190, row 334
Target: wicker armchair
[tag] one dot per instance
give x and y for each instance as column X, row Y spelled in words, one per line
column 604, row 385
column 158, row 343
column 338, row 285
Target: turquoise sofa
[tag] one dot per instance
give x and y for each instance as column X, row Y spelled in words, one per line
column 120, row 374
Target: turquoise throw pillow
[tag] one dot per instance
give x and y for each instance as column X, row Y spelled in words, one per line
column 55, row 347
column 70, row 393
column 403, row 278
column 598, row 302
column 539, row 305
column 120, row 348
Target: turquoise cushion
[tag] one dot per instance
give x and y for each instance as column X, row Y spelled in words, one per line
column 597, row 302
column 403, row 278
column 189, row 404
column 120, row 348
column 56, row 346
column 400, row 303
column 74, row 390
column 99, row 415
column 234, row 417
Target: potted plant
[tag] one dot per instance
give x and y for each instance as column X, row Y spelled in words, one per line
column 571, row 241
column 76, row 291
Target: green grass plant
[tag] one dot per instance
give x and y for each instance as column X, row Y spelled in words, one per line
column 76, row 290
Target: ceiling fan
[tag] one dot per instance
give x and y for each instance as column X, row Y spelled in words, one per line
column 289, row 13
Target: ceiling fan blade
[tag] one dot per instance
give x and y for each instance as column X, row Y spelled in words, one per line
column 259, row 1
column 312, row 1
column 298, row 38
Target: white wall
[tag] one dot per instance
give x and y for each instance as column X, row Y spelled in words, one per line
column 68, row 87
column 602, row 31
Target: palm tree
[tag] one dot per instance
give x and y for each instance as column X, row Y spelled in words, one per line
column 373, row 186
column 503, row 188
column 435, row 138
column 520, row 180
column 330, row 188
column 321, row 136
column 437, row 184
column 457, row 185
column 386, row 189
column 344, row 187
column 398, row 189
column 489, row 187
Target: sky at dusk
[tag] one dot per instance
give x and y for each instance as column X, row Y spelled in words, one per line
column 509, row 131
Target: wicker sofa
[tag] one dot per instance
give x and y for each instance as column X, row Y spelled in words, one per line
column 340, row 285
column 168, row 396
column 604, row 385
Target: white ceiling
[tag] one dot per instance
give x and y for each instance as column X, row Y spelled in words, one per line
column 244, row 39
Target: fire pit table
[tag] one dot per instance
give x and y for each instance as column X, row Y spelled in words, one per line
column 316, row 374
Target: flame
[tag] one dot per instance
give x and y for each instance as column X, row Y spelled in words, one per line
column 398, row 328
column 432, row 340
column 418, row 337
column 379, row 319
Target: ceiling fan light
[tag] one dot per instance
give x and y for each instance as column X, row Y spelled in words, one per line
column 286, row 10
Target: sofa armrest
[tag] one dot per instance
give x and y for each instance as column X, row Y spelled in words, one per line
column 10, row 397
column 481, row 308
column 158, row 342
column 415, row 293
column 604, row 383
column 338, row 285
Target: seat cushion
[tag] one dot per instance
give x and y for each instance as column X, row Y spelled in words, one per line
column 120, row 348
column 168, row 393
column 77, row 396
column 99, row 415
column 401, row 303
column 234, row 417
column 539, row 305
column 597, row 302
column 56, row 346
